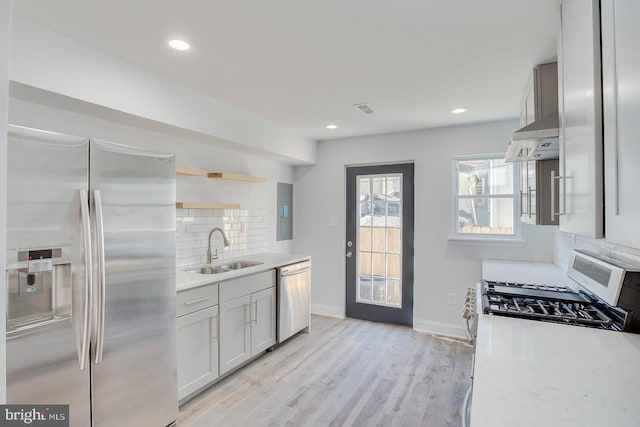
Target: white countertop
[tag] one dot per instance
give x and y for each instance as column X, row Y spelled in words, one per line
column 529, row 272
column 530, row 373
column 186, row 280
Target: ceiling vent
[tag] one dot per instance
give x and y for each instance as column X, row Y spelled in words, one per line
column 364, row 107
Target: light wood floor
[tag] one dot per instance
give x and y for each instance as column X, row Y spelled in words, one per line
column 347, row 372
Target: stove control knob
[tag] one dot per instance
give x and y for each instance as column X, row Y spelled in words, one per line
column 467, row 313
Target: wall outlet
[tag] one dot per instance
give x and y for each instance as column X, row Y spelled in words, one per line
column 452, row 299
column 333, row 221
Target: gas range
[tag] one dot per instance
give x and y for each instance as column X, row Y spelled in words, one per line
column 549, row 303
column 605, row 294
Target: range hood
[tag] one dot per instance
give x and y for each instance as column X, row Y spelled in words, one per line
column 536, row 141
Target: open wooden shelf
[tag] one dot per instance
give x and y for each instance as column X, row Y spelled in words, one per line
column 218, row 175
column 190, row 172
column 236, row 177
column 201, row 205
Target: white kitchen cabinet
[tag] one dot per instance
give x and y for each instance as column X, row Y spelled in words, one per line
column 263, row 320
column 247, row 318
column 621, row 92
column 235, row 333
column 197, row 338
column 580, row 112
column 197, row 342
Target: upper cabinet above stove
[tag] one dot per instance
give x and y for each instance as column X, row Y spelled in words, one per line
column 581, row 207
column 540, row 95
column 537, row 138
column 621, row 93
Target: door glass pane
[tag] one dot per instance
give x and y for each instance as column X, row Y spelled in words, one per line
column 365, row 213
column 364, row 189
column 365, row 239
column 394, row 240
column 393, row 265
column 393, row 292
column 378, row 265
column 364, row 288
column 365, row 264
column 380, row 240
column 379, row 291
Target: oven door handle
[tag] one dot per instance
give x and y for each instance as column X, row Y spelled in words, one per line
column 466, row 407
column 467, row 331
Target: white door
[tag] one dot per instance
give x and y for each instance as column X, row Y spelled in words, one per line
column 620, row 65
column 197, row 342
column 263, row 320
column 235, row 333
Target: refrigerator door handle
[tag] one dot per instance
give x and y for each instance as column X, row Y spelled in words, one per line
column 97, row 200
column 86, row 241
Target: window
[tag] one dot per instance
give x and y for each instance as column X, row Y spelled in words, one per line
column 485, row 199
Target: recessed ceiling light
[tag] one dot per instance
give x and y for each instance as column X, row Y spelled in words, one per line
column 458, row 110
column 332, row 126
column 178, row 44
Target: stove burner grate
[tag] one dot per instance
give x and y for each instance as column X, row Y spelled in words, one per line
column 534, row 286
column 556, row 311
column 557, row 304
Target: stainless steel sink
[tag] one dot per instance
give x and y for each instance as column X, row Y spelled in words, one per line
column 223, row 268
column 237, row 265
column 209, row 270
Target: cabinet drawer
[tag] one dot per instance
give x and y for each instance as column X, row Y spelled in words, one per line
column 196, row 299
column 236, row 288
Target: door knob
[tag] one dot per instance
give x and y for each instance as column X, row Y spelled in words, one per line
column 349, row 254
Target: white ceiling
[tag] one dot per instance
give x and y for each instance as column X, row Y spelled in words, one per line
column 303, row 64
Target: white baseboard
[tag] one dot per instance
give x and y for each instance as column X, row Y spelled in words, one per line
column 439, row 328
column 327, row 310
column 427, row 326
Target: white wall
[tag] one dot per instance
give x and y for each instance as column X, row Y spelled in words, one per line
column 441, row 267
column 261, row 196
column 5, row 43
column 49, row 61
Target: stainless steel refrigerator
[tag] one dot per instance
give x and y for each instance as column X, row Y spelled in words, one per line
column 91, row 279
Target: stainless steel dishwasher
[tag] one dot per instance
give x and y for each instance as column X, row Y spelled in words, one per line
column 294, row 299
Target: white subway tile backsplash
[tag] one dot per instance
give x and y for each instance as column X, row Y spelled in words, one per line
column 247, row 231
column 564, row 243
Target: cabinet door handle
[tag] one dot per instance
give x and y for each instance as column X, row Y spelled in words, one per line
column 195, row 301
column 214, row 327
column 255, row 319
column 521, row 204
column 553, row 194
column 529, row 201
column 247, row 312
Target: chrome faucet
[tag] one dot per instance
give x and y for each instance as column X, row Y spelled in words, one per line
column 226, row 243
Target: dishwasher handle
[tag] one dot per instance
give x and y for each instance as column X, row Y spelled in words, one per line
column 285, row 273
